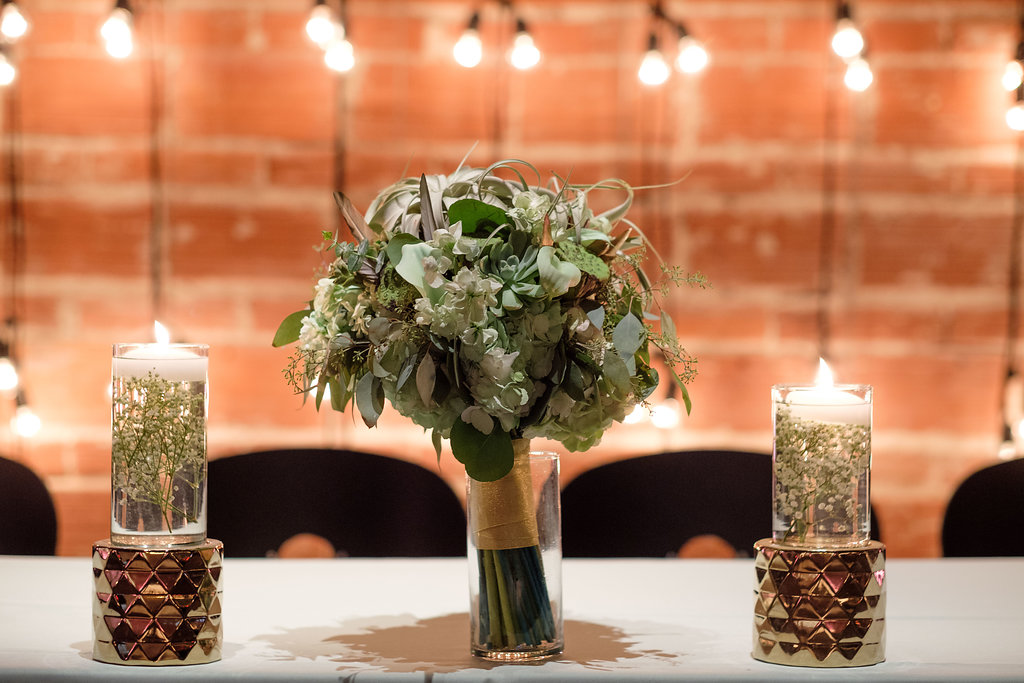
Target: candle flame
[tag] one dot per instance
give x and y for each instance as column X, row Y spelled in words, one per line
column 824, row 376
column 163, row 337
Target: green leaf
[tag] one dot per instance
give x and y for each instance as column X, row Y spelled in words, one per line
column 584, row 260
column 426, row 374
column 290, row 328
column 370, row 398
column 410, row 266
column 556, row 276
column 683, row 391
column 435, row 438
column 476, row 215
column 627, row 337
column 395, row 244
column 668, row 328
column 487, row 457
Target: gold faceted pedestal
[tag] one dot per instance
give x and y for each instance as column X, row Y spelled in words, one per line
column 817, row 607
column 157, row 606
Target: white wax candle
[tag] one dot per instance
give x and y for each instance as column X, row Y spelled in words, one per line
column 171, row 362
column 828, row 404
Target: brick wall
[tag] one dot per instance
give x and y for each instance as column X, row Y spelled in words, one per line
column 922, row 165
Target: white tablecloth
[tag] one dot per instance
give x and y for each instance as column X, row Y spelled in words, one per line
column 640, row 620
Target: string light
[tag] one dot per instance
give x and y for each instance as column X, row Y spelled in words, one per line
column 117, row 31
column 13, row 24
column 858, row 75
column 692, row 57
column 468, row 51
column 665, row 415
column 8, row 371
column 524, row 54
column 8, row 72
column 1015, row 114
column 653, row 68
column 321, row 27
column 848, row 43
column 637, row 415
column 25, row 422
column 340, row 56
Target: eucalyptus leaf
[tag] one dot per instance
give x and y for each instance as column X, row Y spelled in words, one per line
column 370, row 398
column 627, row 337
column 476, row 216
column 426, row 374
column 290, row 328
column 487, row 457
column 408, row 365
column 435, row 438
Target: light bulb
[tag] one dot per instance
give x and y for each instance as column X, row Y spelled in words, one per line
column 847, row 41
column 1015, row 117
column 636, row 416
column 858, row 75
column 117, row 33
column 12, row 22
column 1013, row 75
column 25, row 423
column 340, row 56
column 468, row 51
column 524, row 54
column 653, row 69
column 321, row 27
column 665, row 415
column 692, row 55
column 8, row 375
column 7, row 71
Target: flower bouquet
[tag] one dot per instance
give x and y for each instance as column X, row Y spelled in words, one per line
column 490, row 311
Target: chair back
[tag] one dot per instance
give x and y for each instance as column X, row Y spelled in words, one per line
column 651, row 505
column 985, row 516
column 365, row 505
column 28, row 519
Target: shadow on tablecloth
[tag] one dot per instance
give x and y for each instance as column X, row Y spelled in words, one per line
column 404, row 644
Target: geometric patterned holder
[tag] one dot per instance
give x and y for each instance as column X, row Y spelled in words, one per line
column 157, row 606
column 819, row 608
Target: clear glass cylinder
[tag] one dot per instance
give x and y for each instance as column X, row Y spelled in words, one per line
column 158, row 444
column 515, row 561
column 821, row 465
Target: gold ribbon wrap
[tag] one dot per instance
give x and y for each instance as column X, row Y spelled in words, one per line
column 502, row 511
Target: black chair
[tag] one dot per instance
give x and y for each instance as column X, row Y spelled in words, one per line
column 28, row 520
column 985, row 516
column 651, row 505
column 364, row 505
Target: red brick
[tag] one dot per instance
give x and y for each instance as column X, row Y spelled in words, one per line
column 93, row 95
column 83, row 517
column 761, row 247
column 61, row 168
column 940, row 249
column 69, row 237
column 310, row 167
column 254, row 94
column 197, row 29
column 202, row 167
column 894, row 36
column 947, row 106
column 251, row 242
column 747, row 104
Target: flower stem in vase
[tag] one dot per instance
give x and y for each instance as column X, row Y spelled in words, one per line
column 514, row 617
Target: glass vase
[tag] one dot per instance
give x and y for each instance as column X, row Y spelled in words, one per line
column 821, row 465
column 158, row 444
column 515, row 560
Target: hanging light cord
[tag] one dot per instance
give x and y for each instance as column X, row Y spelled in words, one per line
column 15, row 223
column 156, row 180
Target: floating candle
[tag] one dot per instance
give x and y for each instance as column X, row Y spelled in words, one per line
column 172, row 362
column 827, row 402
